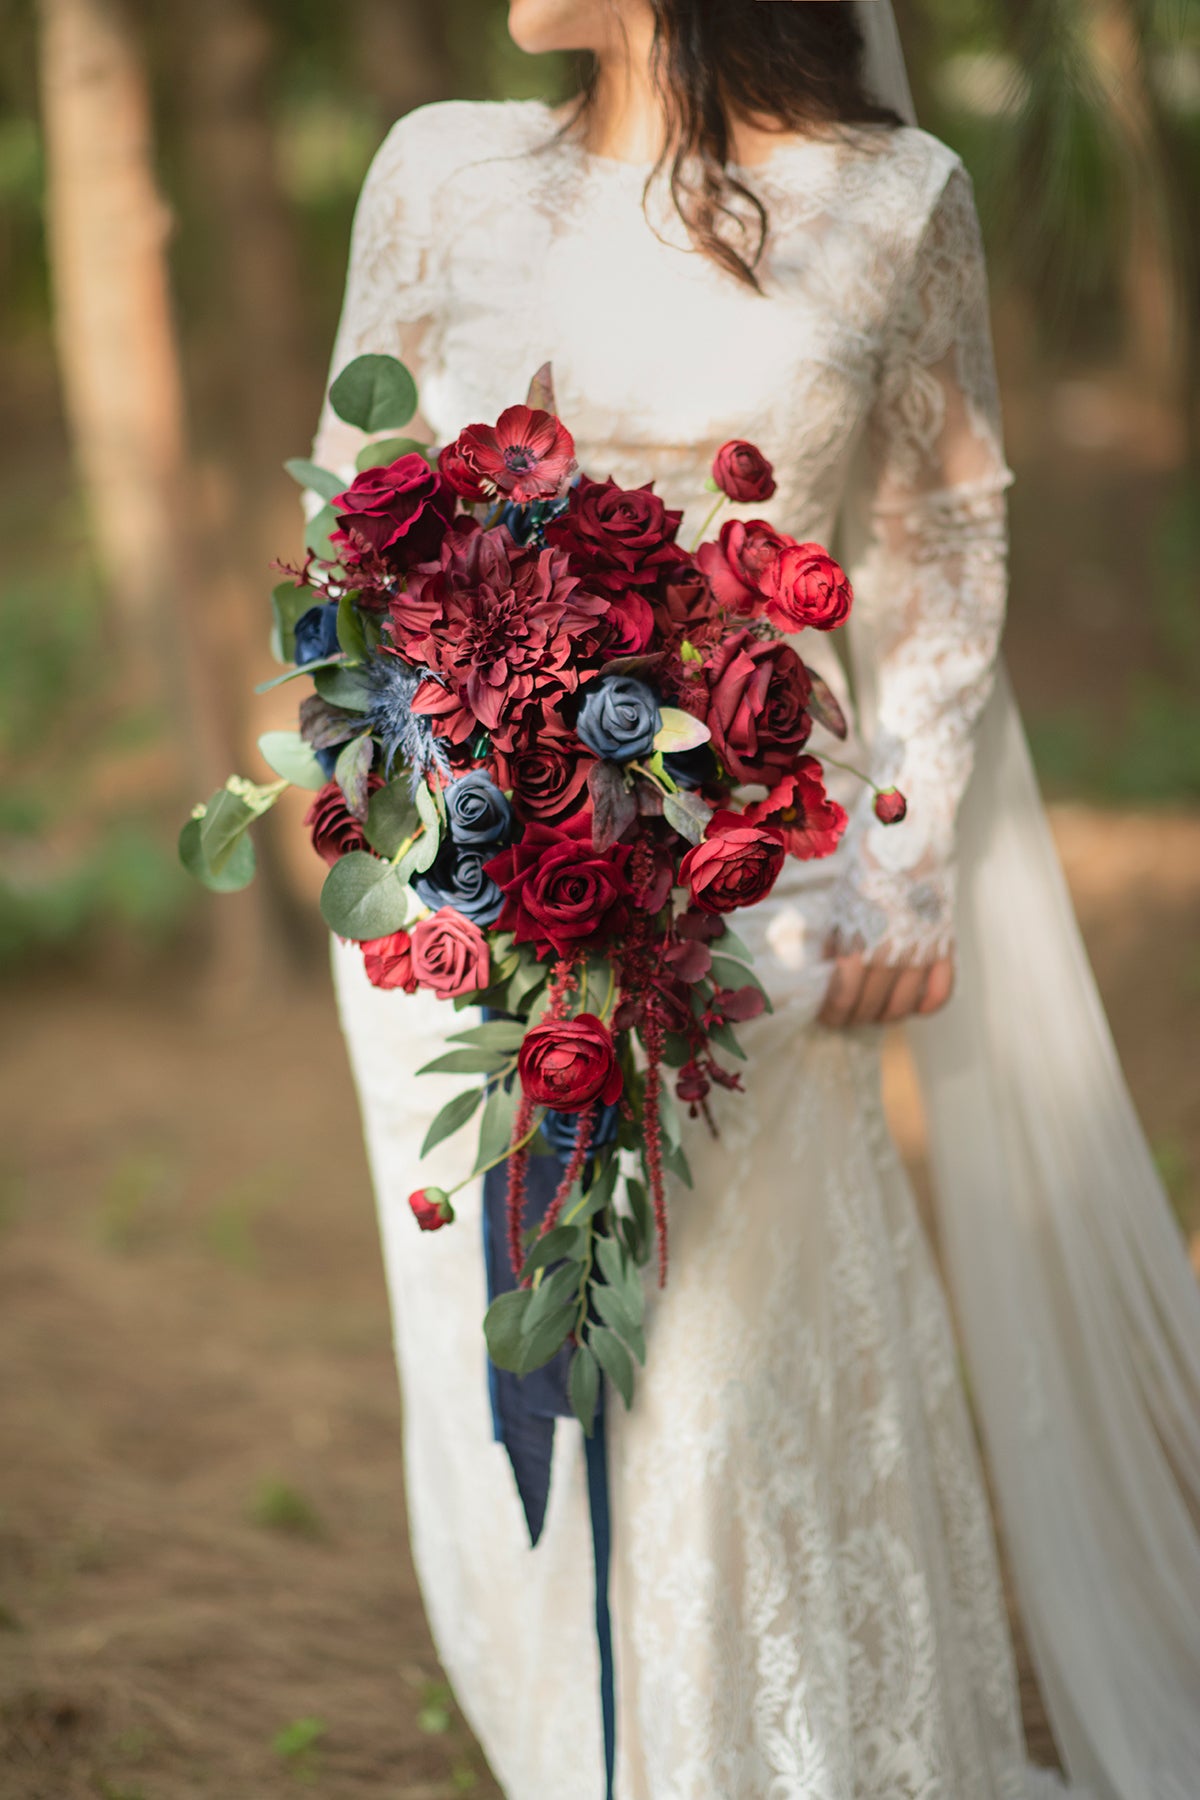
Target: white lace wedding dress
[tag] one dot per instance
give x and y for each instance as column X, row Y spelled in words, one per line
column 805, row 1589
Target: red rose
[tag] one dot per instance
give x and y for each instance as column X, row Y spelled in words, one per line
column 621, row 538
column 743, row 473
column 449, row 954
column 736, row 865
column 459, row 476
column 739, row 564
column 804, row 586
column 570, row 1063
column 757, row 706
column 800, row 808
column 388, row 962
column 688, row 608
column 526, row 455
column 431, row 1208
column 558, row 889
column 631, row 621
column 335, row 830
column 548, row 778
column 399, row 513
column 890, row 806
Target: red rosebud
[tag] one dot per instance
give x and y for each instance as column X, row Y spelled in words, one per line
column 449, row 954
column 431, row 1208
column 570, row 1063
column 736, row 865
column 526, row 455
column 743, row 473
column 388, row 962
column 890, row 806
column 804, row 586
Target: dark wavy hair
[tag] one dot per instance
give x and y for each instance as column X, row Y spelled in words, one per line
column 795, row 63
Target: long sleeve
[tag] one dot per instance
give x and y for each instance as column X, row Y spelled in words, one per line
column 391, row 285
column 931, row 587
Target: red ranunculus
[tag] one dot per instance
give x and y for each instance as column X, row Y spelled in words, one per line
column 736, row 865
column 431, row 1208
column 799, row 807
column 505, row 626
column 569, row 1064
column 335, row 830
column 399, row 513
column 804, row 586
column 757, row 706
column 388, row 962
column 548, row 777
column 526, row 455
column 743, row 473
column 890, row 806
column 619, row 538
column 459, row 477
column 559, row 891
column 449, row 954
column 740, row 563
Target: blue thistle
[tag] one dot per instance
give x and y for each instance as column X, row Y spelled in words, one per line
column 401, row 732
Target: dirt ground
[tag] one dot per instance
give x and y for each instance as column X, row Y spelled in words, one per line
column 205, row 1591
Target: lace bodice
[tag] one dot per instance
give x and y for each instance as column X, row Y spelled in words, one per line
column 484, row 246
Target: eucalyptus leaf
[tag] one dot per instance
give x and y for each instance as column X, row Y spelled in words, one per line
column 563, row 1243
column 495, row 1129
column 497, row 1034
column 641, row 1212
column 342, row 686
column 679, row 731
column 729, row 974
column 610, row 1304
column 583, row 1386
column 467, row 1061
column 431, row 807
column 608, row 1255
column 237, row 871
column 544, row 1340
column 228, row 814
column 386, row 451
column 452, row 1117
column 724, row 1035
column 731, row 945
column 419, row 856
column 391, row 817
column 351, row 637
column 311, row 476
column 312, row 668
column 559, row 1289
column 288, row 600
column 376, row 393
column 614, row 1359
column 362, row 898
column 287, row 753
column 502, row 1327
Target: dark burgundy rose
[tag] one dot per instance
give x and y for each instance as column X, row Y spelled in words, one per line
column 449, row 954
column 568, row 1064
column 736, row 865
column 742, row 472
column 431, row 1208
column 399, row 513
column 688, row 607
column 890, row 806
column 335, row 830
column 812, row 824
column 459, row 476
column 757, row 706
column 631, row 624
column 622, row 537
column 741, row 561
column 560, row 892
column 526, row 455
column 804, row 586
column 388, row 962
column 548, row 778
column 505, row 626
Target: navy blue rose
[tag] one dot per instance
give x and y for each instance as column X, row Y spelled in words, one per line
column 559, row 1129
column 619, row 718
column 477, row 811
column 458, row 880
column 691, row 768
column 316, row 633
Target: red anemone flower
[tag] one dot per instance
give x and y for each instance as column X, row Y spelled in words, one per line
column 526, row 455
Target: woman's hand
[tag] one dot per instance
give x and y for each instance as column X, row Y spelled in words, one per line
column 865, row 992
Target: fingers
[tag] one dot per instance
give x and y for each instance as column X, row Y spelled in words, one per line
column 939, row 986
column 841, row 996
column 874, row 994
column 863, row 993
column 906, row 995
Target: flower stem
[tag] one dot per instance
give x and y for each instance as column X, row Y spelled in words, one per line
column 837, row 763
column 509, row 1150
column 718, row 503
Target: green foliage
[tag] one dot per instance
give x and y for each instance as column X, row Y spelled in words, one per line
column 298, row 1745
column 363, row 897
column 374, row 393
column 292, row 760
column 278, row 1506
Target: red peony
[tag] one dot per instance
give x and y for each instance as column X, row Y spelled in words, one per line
column 736, row 865
column 743, row 473
column 526, row 455
column 890, row 806
column 504, row 626
column 620, row 538
column 548, row 778
column 799, row 807
column 335, row 830
column 399, row 513
column 757, row 706
column 558, row 890
column 568, row 1064
column 804, row 586
column 431, row 1208
column 388, row 962
column 449, row 954
column 740, row 563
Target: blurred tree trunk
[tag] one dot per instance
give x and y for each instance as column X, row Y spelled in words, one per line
column 402, row 54
column 108, row 231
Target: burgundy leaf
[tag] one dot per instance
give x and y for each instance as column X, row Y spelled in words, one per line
column 613, row 807
column 823, row 705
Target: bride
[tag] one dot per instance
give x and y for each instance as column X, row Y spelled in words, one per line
column 734, row 232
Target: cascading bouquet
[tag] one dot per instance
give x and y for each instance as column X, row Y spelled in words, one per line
column 531, row 715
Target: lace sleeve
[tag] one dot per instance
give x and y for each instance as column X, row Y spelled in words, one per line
column 390, row 297
column 931, row 588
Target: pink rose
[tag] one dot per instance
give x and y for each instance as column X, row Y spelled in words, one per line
column 449, row 954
